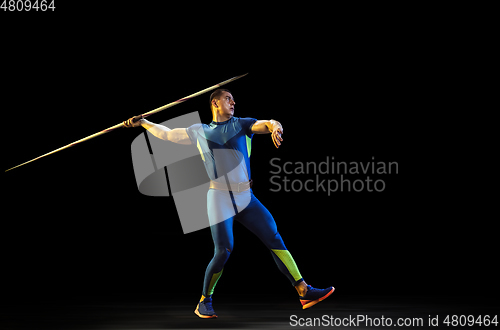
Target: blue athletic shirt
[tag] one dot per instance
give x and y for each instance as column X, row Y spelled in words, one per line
column 225, row 148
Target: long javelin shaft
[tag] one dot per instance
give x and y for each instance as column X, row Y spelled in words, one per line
column 112, row 128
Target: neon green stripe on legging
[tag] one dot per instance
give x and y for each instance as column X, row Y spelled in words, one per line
column 213, row 282
column 287, row 259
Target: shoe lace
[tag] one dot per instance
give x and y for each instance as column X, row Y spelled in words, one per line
column 208, row 305
column 312, row 290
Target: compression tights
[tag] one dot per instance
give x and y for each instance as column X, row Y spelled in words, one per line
column 258, row 220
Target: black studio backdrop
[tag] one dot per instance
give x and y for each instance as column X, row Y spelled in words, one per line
column 77, row 225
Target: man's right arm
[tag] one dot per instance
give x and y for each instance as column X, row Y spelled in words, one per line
column 177, row 135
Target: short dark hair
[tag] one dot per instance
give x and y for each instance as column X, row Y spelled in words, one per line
column 216, row 95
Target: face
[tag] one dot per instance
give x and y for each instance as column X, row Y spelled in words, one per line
column 225, row 104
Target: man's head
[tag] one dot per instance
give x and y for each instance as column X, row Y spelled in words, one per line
column 222, row 104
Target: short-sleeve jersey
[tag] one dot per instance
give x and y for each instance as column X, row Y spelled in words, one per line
column 225, row 148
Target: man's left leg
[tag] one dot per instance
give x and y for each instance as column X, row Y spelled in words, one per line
column 259, row 220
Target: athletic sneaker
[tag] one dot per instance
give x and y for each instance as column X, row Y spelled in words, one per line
column 205, row 309
column 314, row 296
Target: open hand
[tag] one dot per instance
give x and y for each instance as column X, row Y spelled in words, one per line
column 276, row 136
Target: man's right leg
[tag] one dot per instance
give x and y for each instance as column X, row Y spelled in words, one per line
column 222, row 234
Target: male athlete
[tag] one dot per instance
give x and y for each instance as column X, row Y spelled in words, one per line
column 225, row 146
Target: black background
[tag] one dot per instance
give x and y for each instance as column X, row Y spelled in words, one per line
column 75, row 224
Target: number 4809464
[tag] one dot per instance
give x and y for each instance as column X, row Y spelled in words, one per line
column 27, row 5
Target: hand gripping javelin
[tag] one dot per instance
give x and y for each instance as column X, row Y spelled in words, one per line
column 112, row 128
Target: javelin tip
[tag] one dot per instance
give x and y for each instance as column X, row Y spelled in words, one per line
column 238, row 77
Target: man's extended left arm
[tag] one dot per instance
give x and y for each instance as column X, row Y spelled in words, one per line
column 269, row 126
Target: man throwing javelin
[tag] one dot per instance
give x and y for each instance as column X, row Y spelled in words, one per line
column 225, row 147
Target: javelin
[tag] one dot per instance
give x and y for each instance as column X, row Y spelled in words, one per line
column 112, row 128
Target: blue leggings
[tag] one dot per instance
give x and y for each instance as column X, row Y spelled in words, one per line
column 259, row 221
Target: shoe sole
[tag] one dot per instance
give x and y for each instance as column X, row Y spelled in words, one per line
column 204, row 316
column 309, row 303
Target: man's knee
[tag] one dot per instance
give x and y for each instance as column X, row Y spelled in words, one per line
column 275, row 242
column 223, row 251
